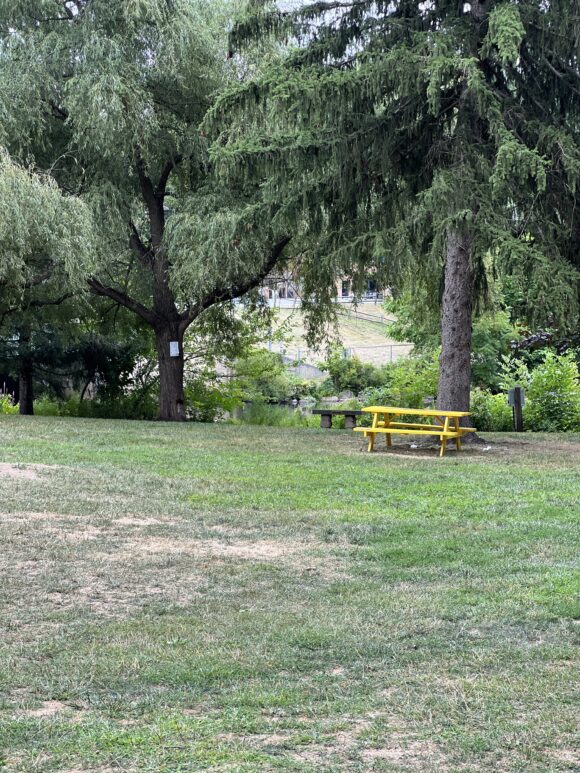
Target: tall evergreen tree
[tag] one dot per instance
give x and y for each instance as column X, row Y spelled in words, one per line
column 406, row 136
column 109, row 96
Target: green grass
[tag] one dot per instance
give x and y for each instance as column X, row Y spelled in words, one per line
column 183, row 598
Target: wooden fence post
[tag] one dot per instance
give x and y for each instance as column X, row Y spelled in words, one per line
column 516, row 399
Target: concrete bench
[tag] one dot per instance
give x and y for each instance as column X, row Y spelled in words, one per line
column 326, row 415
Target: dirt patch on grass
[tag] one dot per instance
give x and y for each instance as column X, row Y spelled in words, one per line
column 415, row 755
column 139, row 520
column 47, row 709
column 260, row 550
column 265, row 551
column 16, row 471
column 63, row 563
column 565, row 755
column 31, row 515
column 405, row 451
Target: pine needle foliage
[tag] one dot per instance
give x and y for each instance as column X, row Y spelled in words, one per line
column 385, row 124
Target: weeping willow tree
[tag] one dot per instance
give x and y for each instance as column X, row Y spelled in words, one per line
column 433, row 140
column 109, row 96
column 43, row 236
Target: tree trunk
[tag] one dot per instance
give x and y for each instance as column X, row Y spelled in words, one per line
column 171, row 395
column 455, row 359
column 25, row 375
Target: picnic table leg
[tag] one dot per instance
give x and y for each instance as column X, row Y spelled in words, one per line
column 458, row 438
column 371, row 435
column 443, row 438
column 387, row 434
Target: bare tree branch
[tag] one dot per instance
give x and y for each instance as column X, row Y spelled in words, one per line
column 160, row 191
column 123, row 299
column 36, row 303
column 153, row 202
column 136, row 244
column 220, row 294
column 58, row 111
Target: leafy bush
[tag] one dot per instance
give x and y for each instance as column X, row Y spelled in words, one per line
column 406, row 383
column 553, row 396
column 273, row 416
column 208, row 399
column 348, row 373
column 492, row 338
column 513, row 372
column 490, row 413
column 262, row 376
column 45, row 406
column 6, row 405
column 552, row 391
column 134, row 406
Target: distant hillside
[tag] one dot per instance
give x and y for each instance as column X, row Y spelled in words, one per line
column 364, row 331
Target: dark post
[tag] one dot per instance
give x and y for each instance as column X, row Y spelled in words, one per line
column 517, row 400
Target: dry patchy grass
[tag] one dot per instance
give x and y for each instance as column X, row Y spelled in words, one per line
column 222, row 598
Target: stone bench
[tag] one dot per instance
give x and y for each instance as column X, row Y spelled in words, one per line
column 326, row 415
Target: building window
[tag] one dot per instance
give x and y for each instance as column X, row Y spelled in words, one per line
column 345, row 288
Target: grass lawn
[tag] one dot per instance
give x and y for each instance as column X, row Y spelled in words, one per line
column 183, row 598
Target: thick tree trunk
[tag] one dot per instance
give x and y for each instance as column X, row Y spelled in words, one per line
column 171, row 395
column 455, row 359
column 25, row 376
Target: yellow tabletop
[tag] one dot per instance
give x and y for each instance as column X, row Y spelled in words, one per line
column 414, row 411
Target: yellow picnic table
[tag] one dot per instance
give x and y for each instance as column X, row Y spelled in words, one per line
column 445, row 424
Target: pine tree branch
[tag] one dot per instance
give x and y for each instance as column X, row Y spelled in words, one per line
column 123, row 299
column 221, row 294
column 560, row 75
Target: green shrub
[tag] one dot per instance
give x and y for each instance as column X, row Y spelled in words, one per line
column 490, row 413
column 348, row 373
column 406, row 383
column 274, row 416
column 262, row 376
column 208, row 400
column 553, row 395
column 47, row 407
column 552, row 392
column 513, row 372
column 6, row 405
column 492, row 337
column 142, row 405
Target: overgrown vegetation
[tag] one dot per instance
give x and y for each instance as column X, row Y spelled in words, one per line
column 258, row 389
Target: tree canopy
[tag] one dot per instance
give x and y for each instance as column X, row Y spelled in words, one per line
column 397, row 133
column 110, row 97
column 426, row 143
column 44, row 234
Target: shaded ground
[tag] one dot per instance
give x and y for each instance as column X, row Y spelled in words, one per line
column 247, row 598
